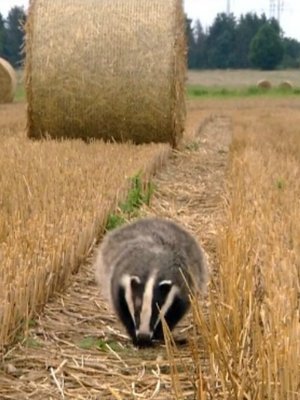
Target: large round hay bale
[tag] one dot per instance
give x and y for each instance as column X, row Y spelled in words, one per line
column 106, row 69
column 286, row 85
column 8, row 82
column 264, row 84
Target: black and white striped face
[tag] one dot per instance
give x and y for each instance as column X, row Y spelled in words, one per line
column 142, row 303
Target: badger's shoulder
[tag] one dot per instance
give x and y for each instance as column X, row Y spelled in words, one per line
column 179, row 240
column 142, row 242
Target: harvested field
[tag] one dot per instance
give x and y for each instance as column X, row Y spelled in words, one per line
column 235, row 184
column 251, row 327
column 55, row 198
column 241, row 78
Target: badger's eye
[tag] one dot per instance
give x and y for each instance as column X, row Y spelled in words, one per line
column 164, row 288
column 135, row 283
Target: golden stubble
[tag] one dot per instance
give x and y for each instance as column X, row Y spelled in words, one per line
column 250, row 327
column 54, row 201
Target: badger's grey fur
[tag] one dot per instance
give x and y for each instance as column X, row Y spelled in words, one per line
column 146, row 269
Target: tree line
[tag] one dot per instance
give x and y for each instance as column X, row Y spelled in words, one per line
column 12, row 36
column 252, row 41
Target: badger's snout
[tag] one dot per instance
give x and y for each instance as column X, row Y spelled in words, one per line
column 143, row 340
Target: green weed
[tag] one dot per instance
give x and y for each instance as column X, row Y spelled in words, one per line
column 114, row 220
column 88, row 342
column 138, row 195
column 135, row 196
column 33, row 343
column 32, row 323
column 92, row 342
column 192, row 146
column 280, row 184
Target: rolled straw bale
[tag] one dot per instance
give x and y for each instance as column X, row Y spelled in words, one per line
column 286, row 85
column 264, row 84
column 106, row 69
column 8, row 82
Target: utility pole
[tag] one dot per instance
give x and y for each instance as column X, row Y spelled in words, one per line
column 272, row 9
column 276, row 9
column 280, row 8
column 228, row 8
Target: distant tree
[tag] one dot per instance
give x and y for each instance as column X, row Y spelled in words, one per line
column 190, row 43
column 291, row 58
column 266, row 48
column 275, row 24
column 252, row 41
column 2, row 35
column 221, row 42
column 247, row 27
column 15, row 35
column 200, row 45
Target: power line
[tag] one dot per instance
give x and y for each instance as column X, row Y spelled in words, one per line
column 276, row 9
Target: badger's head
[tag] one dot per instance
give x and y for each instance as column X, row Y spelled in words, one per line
column 142, row 301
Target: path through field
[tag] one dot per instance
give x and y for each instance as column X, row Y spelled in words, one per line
column 77, row 349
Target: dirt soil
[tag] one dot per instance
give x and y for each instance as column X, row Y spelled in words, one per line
column 77, row 349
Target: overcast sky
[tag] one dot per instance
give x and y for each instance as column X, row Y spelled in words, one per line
column 206, row 11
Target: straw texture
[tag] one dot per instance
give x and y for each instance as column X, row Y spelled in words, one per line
column 106, row 69
column 8, row 82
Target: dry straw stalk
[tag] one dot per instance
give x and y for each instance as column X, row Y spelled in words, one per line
column 249, row 328
column 251, row 332
column 103, row 69
column 8, row 82
column 54, row 201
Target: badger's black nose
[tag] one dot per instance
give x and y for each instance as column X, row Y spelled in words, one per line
column 143, row 340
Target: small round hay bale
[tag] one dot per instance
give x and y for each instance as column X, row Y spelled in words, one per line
column 264, row 84
column 8, row 82
column 286, row 85
column 106, row 69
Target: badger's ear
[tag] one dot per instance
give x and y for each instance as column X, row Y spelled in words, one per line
column 165, row 286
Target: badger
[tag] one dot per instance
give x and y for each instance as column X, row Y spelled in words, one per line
column 147, row 270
